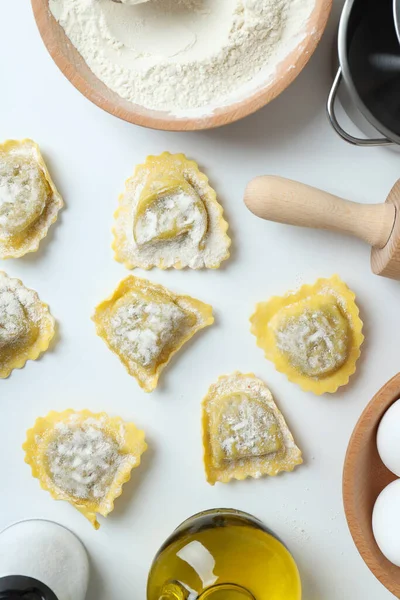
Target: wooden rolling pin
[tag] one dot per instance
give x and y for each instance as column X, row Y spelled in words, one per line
column 285, row 201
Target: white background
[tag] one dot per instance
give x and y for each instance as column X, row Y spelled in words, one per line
column 90, row 154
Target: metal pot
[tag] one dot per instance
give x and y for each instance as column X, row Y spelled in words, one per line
column 369, row 68
column 396, row 8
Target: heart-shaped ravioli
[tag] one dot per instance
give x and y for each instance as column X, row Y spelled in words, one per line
column 84, row 458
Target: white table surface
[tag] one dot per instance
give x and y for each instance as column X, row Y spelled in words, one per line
column 90, row 154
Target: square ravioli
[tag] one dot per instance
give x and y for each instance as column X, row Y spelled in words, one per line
column 145, row 325
column 84, row 458
column 29, row 200
column 169, row 216
column 312, row 335
column 244, row 433
column 26, row 325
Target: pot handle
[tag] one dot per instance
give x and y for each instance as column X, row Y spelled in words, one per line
column 330, row 109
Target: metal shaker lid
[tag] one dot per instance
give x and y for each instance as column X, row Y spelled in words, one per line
column 19, row 587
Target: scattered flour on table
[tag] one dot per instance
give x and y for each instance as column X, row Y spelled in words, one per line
column 183, row 56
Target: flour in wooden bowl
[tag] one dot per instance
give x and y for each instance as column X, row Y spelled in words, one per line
column 186, row 57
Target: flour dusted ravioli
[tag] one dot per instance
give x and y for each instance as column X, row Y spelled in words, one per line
column 84, row 458
column 29, row 201
column 168, row 216
column 244, row 433
column 145, row 325
column 313, row 335
column 26, row 325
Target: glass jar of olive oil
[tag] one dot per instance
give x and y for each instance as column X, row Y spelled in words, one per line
column 223, row 554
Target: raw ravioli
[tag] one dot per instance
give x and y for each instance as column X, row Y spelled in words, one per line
column 145, row 325
column 26, row 325
column 169, row 216
column 313, row 335
column 244, row 433
column 84, row 458
column 29, row 200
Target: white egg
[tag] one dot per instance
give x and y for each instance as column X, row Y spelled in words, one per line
column 386, row 522
column 388, row 438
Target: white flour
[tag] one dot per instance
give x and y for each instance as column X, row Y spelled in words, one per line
column 316, row 343
column 12, row 318
column 141, row 330
column 83, row 460
column 183, row 56
column 175, row 211
column 247, row 429
column 23, row 193
column 19, row 310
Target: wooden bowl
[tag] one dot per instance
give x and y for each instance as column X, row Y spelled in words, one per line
column 364, row 478
column 75, row 69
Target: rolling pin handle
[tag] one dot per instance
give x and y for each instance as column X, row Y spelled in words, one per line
column 285, row 201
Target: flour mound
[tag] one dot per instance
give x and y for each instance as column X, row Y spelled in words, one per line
column 183, row 55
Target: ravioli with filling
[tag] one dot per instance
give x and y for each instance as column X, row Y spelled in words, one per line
column 145, row 325
column 312, row 335
column 29, row 200
column 169, row 216
column 84, row 458
column 26, row 325
column 244, row 433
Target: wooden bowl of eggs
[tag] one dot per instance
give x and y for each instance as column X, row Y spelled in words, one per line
column 184, row 65
column 371, row 485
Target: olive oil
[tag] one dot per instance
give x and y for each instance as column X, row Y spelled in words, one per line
column 223, row 555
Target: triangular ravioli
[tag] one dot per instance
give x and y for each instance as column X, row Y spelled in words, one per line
column 145, row 325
